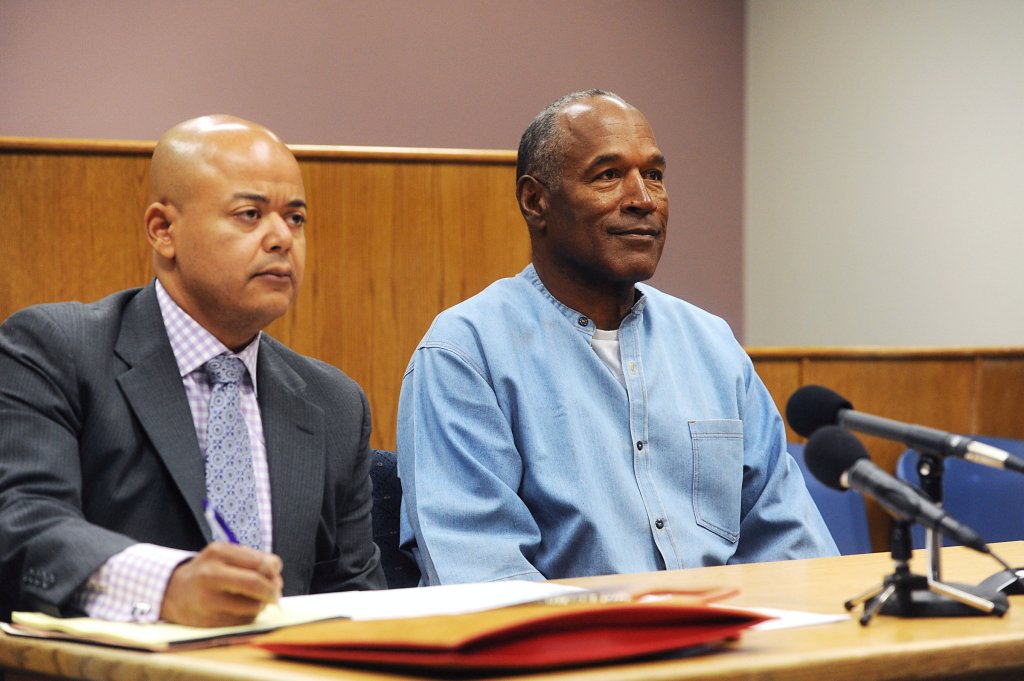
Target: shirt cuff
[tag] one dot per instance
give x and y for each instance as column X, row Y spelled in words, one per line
column 130, row 586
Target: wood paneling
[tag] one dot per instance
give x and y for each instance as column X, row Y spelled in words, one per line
column 1000, row 395
column 392, row 244
column 963, row 390
column 395, row 236
column 782, row 377
column 71, row 225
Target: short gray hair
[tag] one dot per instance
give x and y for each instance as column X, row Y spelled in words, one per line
column 542, row 146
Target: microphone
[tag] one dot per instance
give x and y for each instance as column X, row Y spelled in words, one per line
column 814, row 406
column 839, row 460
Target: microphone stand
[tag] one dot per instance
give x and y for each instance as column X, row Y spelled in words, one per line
column 930, row 470
column 920, row 596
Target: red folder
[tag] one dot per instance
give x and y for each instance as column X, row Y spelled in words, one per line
column 516, row 638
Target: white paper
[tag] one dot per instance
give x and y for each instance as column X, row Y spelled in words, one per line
column 789, row 619
column 449, row 599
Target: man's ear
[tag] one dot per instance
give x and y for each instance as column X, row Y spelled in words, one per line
column 533, row 201
column 158, row 221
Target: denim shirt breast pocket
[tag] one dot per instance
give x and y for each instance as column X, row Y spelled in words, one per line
column 718, row 475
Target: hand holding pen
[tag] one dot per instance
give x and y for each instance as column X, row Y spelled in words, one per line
column 224, row 584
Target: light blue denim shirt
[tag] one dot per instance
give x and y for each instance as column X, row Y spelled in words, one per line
column 523, row 457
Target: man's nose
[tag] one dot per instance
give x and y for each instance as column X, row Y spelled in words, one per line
column 279, row 234
column 638, row 197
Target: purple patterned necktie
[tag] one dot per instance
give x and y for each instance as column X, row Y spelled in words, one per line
column 230, row 483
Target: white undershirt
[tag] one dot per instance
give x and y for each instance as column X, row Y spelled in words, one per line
column 606, row 345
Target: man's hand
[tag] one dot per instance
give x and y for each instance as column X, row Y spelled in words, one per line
column 224, row 585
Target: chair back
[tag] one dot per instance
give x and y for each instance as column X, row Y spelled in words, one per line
column 988, row 500
column 844, row 513
column 399, row 569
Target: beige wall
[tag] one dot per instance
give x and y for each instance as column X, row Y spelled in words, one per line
column 437, row 73
column 885, row 172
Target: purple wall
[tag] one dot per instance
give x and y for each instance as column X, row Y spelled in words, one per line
column 447, row 73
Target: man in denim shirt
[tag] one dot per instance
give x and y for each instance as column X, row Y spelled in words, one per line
column 570, row 421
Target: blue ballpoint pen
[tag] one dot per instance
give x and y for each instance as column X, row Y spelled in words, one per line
column 218, row 526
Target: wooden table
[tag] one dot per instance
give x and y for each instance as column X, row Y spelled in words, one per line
column 888, row 648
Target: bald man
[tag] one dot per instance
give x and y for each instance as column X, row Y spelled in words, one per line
column 105, row 412
column 573, row 421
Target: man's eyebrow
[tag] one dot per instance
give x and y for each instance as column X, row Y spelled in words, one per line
column 656, row 159
column 602, row 159
column 260, row 198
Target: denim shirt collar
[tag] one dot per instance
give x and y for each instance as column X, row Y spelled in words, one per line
column 580, row 321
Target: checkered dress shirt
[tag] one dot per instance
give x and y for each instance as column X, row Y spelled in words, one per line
column 130, row 585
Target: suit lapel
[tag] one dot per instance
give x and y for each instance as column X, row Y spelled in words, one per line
column 153, row 388
column 293, row 429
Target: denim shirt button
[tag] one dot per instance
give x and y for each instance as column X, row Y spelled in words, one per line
column 659, row 523
column 582, row 321
column 639, row 446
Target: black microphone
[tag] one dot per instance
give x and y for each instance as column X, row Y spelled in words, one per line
column 839, row 460
column 814, row 406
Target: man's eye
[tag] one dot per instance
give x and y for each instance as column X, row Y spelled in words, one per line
column 656, row 175
column 297, row 219
column 250, row 214
column 609, row 174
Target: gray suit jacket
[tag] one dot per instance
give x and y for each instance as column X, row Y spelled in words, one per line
column 98, row 451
